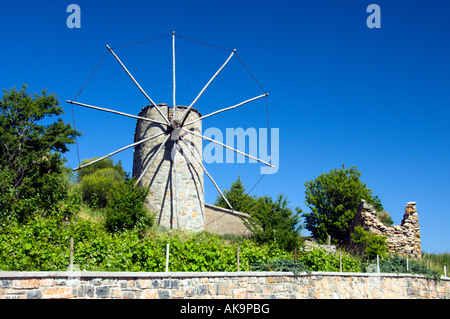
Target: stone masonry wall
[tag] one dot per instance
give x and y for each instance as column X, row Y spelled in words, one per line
column 180, row 205
column 403, row 239
column 238, row 285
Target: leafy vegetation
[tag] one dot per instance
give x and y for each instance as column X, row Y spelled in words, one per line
column 41, row 208
column 333, row 199
column 397, row 264
column 106, row 186
column 272, row 220
column 280, row 265
column 369, row 245
column 43, row 244
column 32, row 171
column 320, row 260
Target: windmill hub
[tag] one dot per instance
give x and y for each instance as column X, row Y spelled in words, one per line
column 175, row 124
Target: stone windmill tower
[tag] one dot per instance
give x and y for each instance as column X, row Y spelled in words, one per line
column 168, row 154
column 173, row 176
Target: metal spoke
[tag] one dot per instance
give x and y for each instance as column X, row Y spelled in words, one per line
column 210, row 177
column 153, row 158
column 229, row 147
column 182, row 118
column 137, row 84
column 226, row 109
column 116, row 112
column 118, row 151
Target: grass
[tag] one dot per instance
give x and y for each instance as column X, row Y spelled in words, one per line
column 437, row 261
column 96, row 216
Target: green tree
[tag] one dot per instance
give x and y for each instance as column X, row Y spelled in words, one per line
column 32, row 169
column 272, row 220
column 237, row 197
column 333, row 199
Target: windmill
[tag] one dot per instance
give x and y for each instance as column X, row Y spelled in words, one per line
column 168, row 153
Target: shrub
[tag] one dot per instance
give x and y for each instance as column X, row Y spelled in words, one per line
column 126, row 208
column 398, row 264
column 369, row 245
column 272, row 220
column 97, row 187
column 106, row 163
column 279, row 265
column 385, row 218
column 320, row 260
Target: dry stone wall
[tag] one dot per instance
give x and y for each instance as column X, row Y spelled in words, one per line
column 240, row 285
column 403, row 239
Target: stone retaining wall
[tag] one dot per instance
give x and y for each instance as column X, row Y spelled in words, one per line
column 237, row 285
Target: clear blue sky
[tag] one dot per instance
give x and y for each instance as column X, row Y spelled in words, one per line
column 340, row 93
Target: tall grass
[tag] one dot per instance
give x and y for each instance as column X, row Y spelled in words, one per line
column 437, row 261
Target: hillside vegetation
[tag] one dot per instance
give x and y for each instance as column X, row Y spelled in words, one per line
column 43, row 204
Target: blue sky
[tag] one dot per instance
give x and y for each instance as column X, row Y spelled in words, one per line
column 339, row 92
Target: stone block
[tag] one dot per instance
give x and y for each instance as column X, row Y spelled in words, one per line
column 170, row 283
column 163, row 294
column 150, row 294
column 200, row 290
column 25, row 283
column 57, row 293
column 85, row 291
column 239, row 293
column 128, row 295
column 34, row 294
column 46, row 282
column 102, row 291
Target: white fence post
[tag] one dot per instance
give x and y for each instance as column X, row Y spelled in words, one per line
column 378, row 264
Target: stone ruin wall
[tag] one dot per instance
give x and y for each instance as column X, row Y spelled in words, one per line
column 403, row 239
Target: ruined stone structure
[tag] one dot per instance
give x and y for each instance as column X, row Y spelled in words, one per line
column 403, row 239
column 162, row 197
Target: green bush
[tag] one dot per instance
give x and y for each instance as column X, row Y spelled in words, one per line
column 369, row 245
column 126, row 208
column 398, row 264
column 320, row 260
column 38, row 244
column 97, row 187
column 43, row 245
column 105, row 163
column 280, row 265
column 272, row 221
